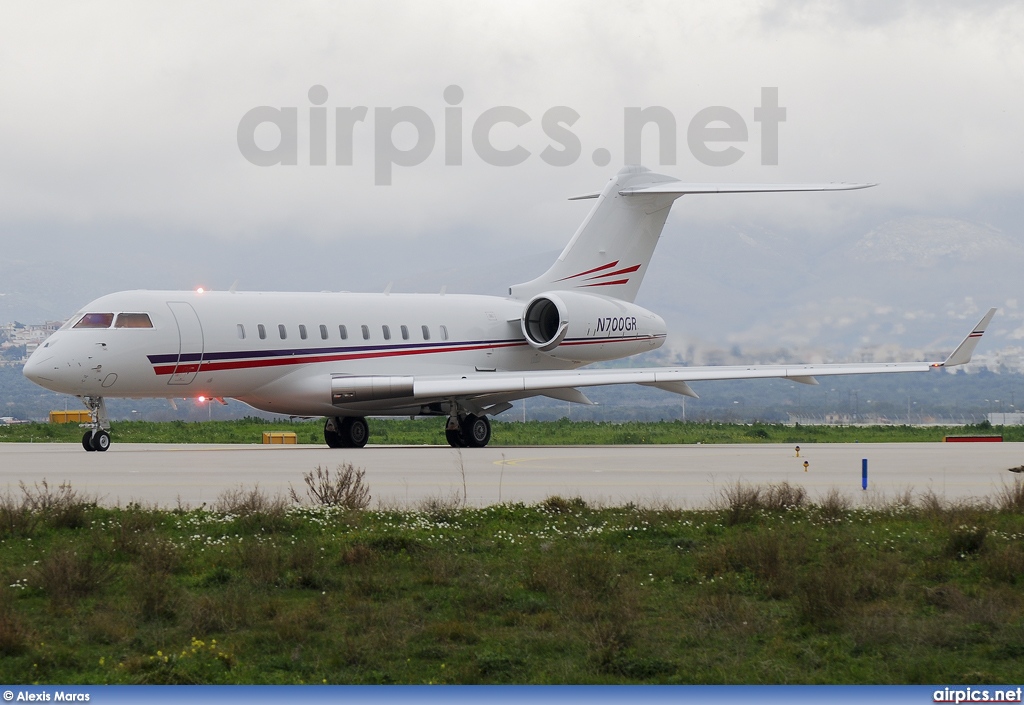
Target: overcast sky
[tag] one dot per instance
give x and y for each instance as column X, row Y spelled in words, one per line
column 119, row 127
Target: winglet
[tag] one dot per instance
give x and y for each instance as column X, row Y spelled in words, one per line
column 962, row 355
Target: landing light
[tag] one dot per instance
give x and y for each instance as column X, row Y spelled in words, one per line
column 200, row 290
column 201, row 399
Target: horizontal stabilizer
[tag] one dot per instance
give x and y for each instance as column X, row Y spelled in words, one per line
column 963, row 352
column 680, row 188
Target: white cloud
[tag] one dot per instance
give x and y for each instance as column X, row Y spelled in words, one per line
column 122, row 117
column 127, row 110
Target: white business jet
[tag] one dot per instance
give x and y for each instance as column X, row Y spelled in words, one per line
column 344, row 356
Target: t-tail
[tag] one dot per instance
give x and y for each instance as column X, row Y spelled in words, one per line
column 610, row 251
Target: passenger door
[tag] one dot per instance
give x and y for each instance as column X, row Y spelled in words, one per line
column 190, row 343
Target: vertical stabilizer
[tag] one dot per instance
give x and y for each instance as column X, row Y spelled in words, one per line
column 610, row 251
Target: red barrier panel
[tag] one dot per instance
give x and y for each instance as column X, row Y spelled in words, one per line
column 973, row 439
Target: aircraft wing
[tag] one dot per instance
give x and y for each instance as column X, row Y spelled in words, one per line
column 673, row 379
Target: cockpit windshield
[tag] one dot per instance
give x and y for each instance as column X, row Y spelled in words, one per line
column 120, row 320
column 95, row 320
column 133, row 320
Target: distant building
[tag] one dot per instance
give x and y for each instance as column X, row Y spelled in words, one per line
column 1009, row 418
column 832, row 419
column 16, row 335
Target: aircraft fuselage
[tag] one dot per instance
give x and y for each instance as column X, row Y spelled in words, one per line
column 278, row 351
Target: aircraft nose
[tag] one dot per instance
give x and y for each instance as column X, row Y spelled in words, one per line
column 42, row 367
column 36, row 368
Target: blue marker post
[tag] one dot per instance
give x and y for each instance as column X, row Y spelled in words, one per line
column 864, row 473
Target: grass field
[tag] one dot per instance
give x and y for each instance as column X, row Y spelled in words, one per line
column 767, row 588
column 564, row 432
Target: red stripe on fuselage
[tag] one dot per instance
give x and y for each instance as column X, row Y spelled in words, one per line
column 631, row 339
column 312, row 359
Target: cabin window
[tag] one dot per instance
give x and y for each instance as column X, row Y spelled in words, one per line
column 343, row 332
column 387, row 332
column 95, row 320
column 262, row 331
column 405, row 332
column 282, row 331
column 444, row 332
column 302, row 331
column 323, row 332
column 241, row 332
column 133, row 320
column 426, row 332
column 366, row 332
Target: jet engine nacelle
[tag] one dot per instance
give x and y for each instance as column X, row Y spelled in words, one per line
column 569, row 325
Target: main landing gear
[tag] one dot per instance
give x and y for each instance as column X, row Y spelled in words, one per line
column 346, row 431
column 469, row 431
column 466, row 431
column 98, row 435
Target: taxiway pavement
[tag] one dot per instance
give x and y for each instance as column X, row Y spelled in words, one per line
column 682, row 476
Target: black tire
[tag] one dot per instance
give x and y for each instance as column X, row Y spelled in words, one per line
column 476, row 430
column 354, row 432
column 87, row 441
column 454, row 437
column 101, row 441
column 331, row 436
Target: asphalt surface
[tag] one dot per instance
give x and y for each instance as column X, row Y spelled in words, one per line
column 681, row 476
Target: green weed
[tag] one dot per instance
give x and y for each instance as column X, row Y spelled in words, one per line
column 510, row 433
column 557, row 592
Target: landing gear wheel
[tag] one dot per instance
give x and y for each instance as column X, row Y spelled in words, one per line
column 354, row 432
column 476, row 430
column 454, row 437
column 96, row 438
column 331, row 434
column 101, row 441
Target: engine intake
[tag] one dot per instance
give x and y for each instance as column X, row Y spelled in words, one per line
column 571, row 325
column 545, row 323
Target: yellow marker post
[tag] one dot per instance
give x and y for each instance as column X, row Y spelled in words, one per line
column 806, row 465
column 798, row 451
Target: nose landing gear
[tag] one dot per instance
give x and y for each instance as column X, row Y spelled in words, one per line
column 98, row 436
column 96, row 440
